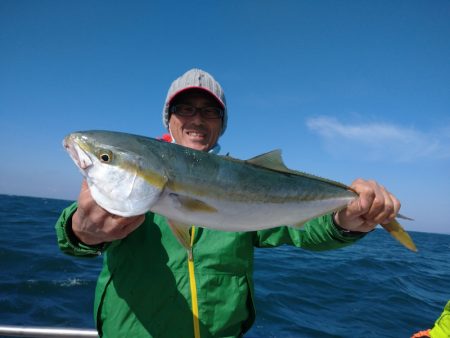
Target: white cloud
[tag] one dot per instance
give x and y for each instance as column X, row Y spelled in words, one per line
column 380, row 141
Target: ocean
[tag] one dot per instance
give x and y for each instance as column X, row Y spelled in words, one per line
column 375, row 288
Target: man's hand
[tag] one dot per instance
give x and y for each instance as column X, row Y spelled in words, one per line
column 375, row 205
column 94, row 225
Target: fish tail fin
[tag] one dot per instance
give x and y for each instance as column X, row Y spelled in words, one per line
column 396, row 230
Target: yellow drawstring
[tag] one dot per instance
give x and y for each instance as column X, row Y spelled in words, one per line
column 193, row 288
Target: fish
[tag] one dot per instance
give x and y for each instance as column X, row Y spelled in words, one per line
column 130, row 175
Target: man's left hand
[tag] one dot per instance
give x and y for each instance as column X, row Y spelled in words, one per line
column 375, row 205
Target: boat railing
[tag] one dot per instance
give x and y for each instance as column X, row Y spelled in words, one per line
column 47, row 332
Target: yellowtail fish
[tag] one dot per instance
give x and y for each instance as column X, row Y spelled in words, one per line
column 129, row 175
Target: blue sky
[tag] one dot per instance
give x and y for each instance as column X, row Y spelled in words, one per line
column 346, row 89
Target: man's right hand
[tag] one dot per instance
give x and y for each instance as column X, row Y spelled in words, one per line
column 94, row 225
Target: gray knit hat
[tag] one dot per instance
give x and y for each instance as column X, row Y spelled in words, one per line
column 198, row 79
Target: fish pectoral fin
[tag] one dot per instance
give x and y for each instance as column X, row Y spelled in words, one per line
column 181, row 233
column 191, row 204
column 396, row 230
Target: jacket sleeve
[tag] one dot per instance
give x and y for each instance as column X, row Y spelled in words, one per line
column 318, row 234
column 68, row 242
column 442, row 326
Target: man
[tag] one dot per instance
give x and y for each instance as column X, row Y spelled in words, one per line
column 150, row 287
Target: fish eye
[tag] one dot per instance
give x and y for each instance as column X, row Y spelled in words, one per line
column 105, row 157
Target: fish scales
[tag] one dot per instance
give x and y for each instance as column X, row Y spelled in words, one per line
column 242, row 182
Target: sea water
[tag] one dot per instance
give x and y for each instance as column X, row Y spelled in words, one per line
column 374, row 288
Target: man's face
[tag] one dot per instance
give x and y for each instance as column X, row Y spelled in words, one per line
column 195, row 132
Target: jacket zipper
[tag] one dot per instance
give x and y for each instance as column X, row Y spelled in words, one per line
column 193, row 287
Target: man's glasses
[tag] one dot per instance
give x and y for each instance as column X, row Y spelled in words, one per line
column 187, row 110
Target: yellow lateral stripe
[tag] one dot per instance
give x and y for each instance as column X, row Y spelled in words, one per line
column 193, row 290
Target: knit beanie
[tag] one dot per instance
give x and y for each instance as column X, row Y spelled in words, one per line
column 196, row 79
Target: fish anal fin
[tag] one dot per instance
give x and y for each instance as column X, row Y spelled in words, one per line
column 298, row 225
column 181, row 233
column 396, row 230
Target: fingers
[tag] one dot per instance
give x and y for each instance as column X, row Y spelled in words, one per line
column 396, row 205
column 84, row 185
column 94, row 225
column 381, row 205
column 85, row 200
column 366, row 198
column 98, row 226
column 375, row 205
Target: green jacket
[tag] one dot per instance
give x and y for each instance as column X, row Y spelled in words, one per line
column 147, row 287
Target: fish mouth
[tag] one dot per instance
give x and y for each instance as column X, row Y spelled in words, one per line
column 76, row 152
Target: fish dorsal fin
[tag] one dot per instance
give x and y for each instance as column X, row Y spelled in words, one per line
column 271, row 160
